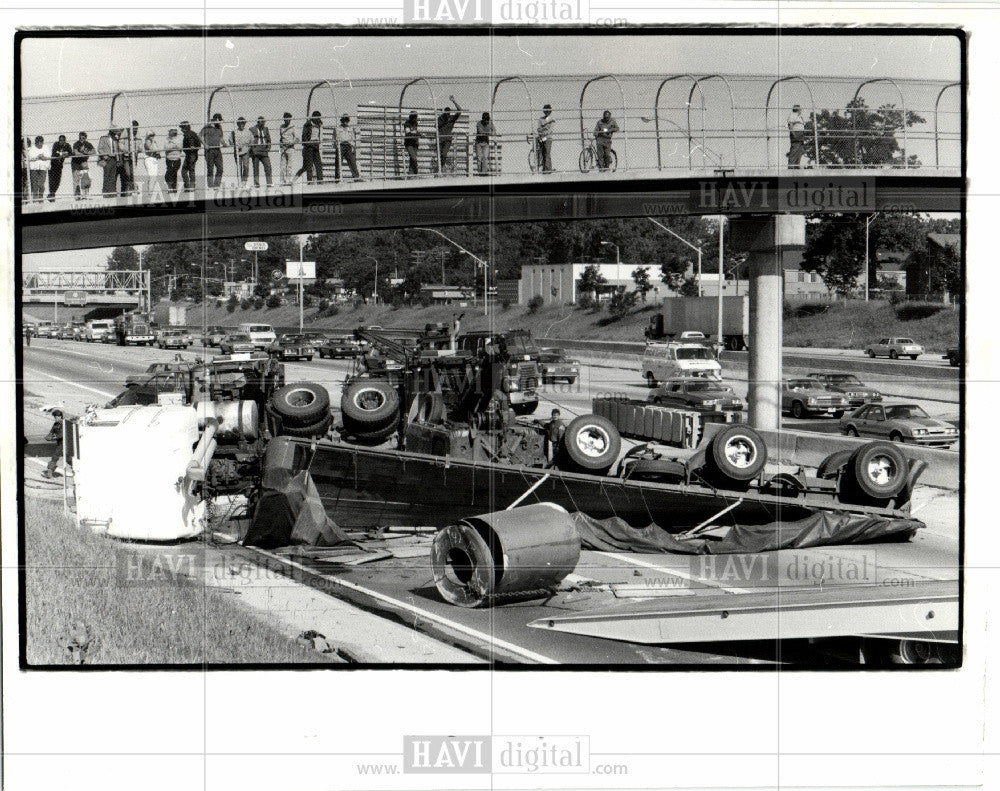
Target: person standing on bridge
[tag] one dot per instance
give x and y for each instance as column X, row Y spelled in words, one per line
column 347, row 136
column 603, row 132
column 312, row 136
column 211, row 138
column 797, row 137
column 55, row 436
column 485, row 132
column 173, row 156
column 261, row 151
column 288, row 138
column 543, row 138
column 79, row 166
column 151, row 152
column 411, row 142
column 38, row 167
column 242, row 140
column 191, row 143
column 446, row 126
column 61, row 151
column 109, row 157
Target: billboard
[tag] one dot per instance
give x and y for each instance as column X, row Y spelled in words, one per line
column 75, row 299
column 308, row 269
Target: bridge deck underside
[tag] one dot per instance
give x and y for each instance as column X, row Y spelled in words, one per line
column 454, row 201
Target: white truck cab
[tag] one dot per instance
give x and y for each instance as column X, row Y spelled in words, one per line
column 676, row 359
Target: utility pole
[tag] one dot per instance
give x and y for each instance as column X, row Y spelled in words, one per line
column 868, row 222
column 680, row 238
column 473, row 256
column 302, row 246
column 722, row 276
column 140, row 279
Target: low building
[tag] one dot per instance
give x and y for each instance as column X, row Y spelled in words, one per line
column 441, row 294
column 800, row 284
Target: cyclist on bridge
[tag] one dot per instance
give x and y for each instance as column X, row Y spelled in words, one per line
column 603, row 132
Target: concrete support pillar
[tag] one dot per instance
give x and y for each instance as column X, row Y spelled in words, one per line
column 771, row 242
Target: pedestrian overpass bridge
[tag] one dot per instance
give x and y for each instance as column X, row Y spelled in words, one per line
column 688, row 144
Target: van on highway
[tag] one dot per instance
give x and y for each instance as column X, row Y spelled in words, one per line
column 261, row 335
column 675, row 360
column 100, row 331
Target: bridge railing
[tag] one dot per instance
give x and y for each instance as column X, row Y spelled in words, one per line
column 669, row 125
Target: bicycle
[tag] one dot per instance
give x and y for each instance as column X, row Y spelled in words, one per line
column 588, row 158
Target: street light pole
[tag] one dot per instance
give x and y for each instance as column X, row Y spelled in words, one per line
column 680, row 238
column 868, row 222
column 722, row 278
column 473, row 256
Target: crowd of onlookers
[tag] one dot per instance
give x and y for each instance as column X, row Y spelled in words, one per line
column 130, row 161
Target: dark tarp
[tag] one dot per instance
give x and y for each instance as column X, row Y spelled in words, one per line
column 817, row 530
column 290, row 511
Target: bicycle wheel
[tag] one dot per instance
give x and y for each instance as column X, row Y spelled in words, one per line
column 613, row 161
column 586, row 160
column 533, row 159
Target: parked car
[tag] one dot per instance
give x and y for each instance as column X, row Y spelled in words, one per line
column 803, row 397
column 174, row 339
column 953, row 356
column 292, row 347
column 237, row 343
column 894, row 348
column 214, row 335
column 700, row 395
column 553, row 364
column 339, row 346
column 856, row 391
column 899, row 423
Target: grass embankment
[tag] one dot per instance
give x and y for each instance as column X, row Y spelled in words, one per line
column 75, row 591
column 842, row 325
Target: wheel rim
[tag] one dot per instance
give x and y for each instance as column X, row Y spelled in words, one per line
column 740, row 451
column 881, row 469
column 369, row 399
column 300, row 397
column 914, row 652
column 593, row 441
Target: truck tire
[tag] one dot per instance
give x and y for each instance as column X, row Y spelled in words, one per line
column 300, row 404
column 832, row 464
column 369, row 405
column 656, row 471
column 368, row 437
column 427, row 408
column 591, row 444
column 736, row 454
column 318, row 429
column 879, row 470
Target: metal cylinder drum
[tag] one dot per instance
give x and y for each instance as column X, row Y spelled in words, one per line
column 507, row 553
column 238, row 420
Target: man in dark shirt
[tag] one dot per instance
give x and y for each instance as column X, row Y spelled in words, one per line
column 211, row 138
column 446, row 125
column 312, row 135
column 603, row 132
column 83, row 149
column 190, row 142
column 554, row 431
column 260, row 151
column 61, row 151
column 55, row 436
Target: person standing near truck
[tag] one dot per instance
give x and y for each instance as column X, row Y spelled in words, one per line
column 55, row 436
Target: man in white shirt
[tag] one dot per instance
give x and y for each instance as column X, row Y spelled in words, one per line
column 543, row 134
column 38, row 167
column 797, row 137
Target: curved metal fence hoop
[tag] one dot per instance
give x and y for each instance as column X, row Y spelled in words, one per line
column 333, row 122
column 767, row 108
column 656, row 116
column 133, row 154
column 902, row 104
column 621, row 91
column 937, row 105
column 232, row 108
column 437, row 136
column 527, row 92
column 732, row 107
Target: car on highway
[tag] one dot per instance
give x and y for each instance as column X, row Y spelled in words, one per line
column 100, row 331
column 804, row 397
column 45, row 329
column 261, row 335
column 554, row 365
column 856, row 391
column 292, row 346
column 338, row 346
column 953, row 356
column 213, row 335
column 173, row 339
column 899, row 422
column 673, row 360
column 894, row 348
column 237, row 343
column 700, row 395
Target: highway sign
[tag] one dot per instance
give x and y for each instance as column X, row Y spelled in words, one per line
column 308, row 269
column 255, row 247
